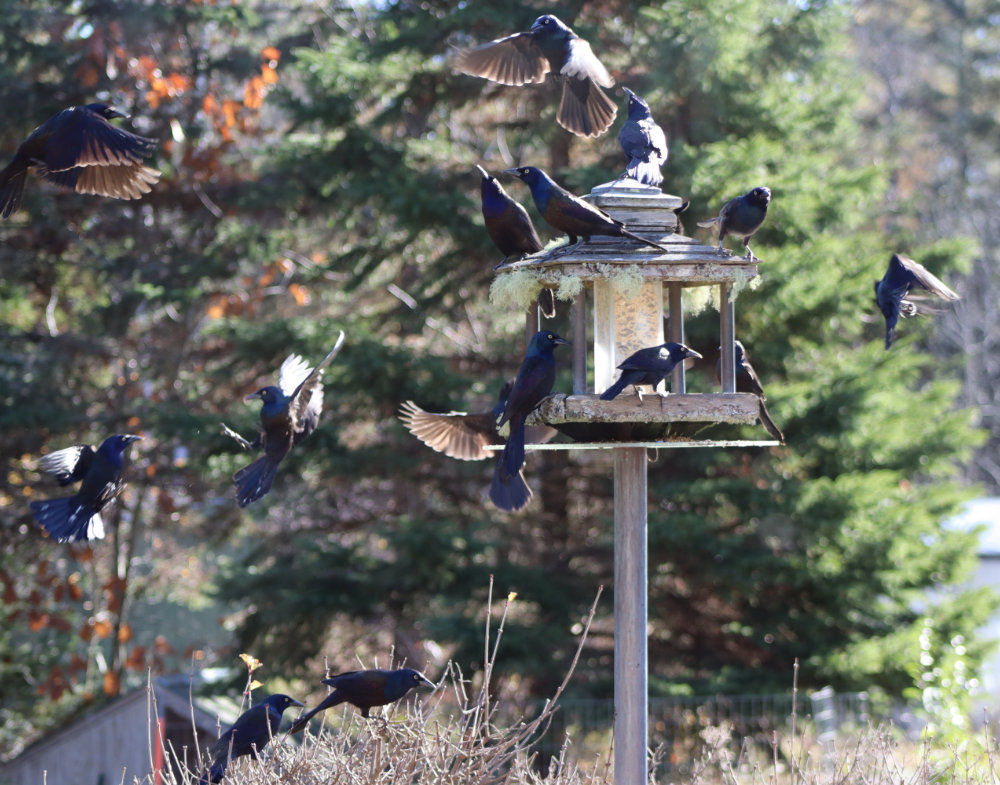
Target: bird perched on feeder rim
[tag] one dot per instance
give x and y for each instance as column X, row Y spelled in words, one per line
column 78, row 517
column 251, row 732
column 549, row 47
column 742, row 217
column 290, row 412
column 534, row 381
column 649, row 366
column 78, row 148
column 511, row 230
column 464, row 436
column 643, row 142
column 747, row 381
column 365, row 690
column 570, row 214
column 902, row 275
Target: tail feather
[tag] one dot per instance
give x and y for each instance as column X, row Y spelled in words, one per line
column 68, row 521
column 644, row 241
column 11, row 190
column 768, row 423
column 709, row 222
column 645, row 172
column 331, row 700
column 254, row 481
column 512, row 457
column 508, row 492
column 615, row 389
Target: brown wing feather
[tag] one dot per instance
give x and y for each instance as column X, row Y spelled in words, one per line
column 514, row 60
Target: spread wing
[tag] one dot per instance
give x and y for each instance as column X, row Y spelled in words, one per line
column 514, row 60
column 68, row 465
column 921, row 276
column 307, row 395
column 87, row 139
column 456, row 434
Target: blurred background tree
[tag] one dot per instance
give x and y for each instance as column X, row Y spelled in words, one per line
column 319, row 175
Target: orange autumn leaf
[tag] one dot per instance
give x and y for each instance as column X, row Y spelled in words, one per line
column 37, row 620
column 230, row 109
column 268, row 75
column 124, row 633
column 102, row 628
column 153, row 99
column 112, row 683
column 299, row 292
column 251, row 662
column 270, row 53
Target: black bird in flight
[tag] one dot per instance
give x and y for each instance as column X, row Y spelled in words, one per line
column 902, row 275
column 534, row 381
column 463, row 436
column 77, row 517
column 742, row 217
column 78, row 148
column 511, row 230
column 290, row 412
column 747, row 381
column 570, row 214
column 643, row 142
column 550, row 47
column 251, row 732
column 649, row 366
column 365, row 689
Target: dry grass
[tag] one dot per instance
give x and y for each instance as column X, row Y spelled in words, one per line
column 454, row 738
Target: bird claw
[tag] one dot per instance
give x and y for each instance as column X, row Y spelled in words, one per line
column 232, row 434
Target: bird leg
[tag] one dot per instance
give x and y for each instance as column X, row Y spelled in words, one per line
column 723, row 251
column 564, row 249
column 239, row 439
column 638, row 392
column 662, row 396
column 750, row 257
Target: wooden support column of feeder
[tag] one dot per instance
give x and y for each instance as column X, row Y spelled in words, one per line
column 627, row 283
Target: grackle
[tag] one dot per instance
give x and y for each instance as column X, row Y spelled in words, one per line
column 571, row 214
column 747, row 381
column 550, row 47
column 463, row 436
column 643, row 142
column 251, row 732
column 890, row 293
column 365, row 689
column 741, row 216
column 534, row 381
column 511, row 230
column 649, row 366
column 77, row 517
column 290, row 412
column 78, row 148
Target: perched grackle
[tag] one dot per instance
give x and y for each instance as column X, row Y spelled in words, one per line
column 649, row 366
column 251, row 732
column 742, row 216
column 747, row 381
column 571, row 214
column 78, row 148
column 534, row 381
column 900, row 277
column 463, row 436
column 511, row 230
column 77, row 517
column 365, row 689
column 643, row 142
column 550, row 47
column 290, row 412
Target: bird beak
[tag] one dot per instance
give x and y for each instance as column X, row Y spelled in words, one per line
column 557, row 340
column 258, row 395
column 482, row 171
column 112, row 113
column 295, row 703
column 131, row 437
column 694, row 354
column 514, row 172
column 428, row 682
column 628, row 92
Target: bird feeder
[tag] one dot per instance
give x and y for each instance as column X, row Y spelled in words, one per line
column 628, row 284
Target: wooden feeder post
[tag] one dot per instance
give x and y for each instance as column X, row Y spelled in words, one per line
column 627, row 284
